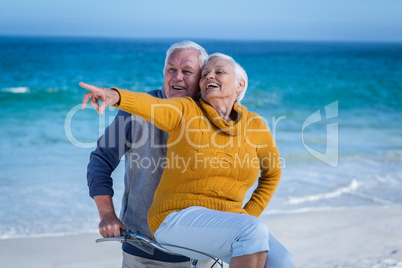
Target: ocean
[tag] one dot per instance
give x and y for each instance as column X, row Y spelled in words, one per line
column 334, row 109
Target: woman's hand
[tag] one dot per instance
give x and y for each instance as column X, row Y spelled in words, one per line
column 107, row 95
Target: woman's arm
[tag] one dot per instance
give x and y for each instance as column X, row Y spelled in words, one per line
column 96, row 94
column 165, row 114
column 270, row 175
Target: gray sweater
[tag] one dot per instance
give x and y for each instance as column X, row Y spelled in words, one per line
column 144, row 147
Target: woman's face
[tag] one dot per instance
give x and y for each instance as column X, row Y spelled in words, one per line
column 218, row 80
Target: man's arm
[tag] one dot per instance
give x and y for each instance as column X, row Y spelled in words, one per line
column 103, row 161
column 110, row 225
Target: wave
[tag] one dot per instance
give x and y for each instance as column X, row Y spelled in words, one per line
column 44, row 235
column 24, row 90
column 281, row 212
column 347, row 189
column 17, row 90
column 52, row 90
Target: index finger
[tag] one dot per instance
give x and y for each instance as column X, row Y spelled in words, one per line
column 88, row 86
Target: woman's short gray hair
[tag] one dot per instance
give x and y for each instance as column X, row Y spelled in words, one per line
column 239, row 71
column 187, row 45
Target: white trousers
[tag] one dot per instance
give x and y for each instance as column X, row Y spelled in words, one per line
column 221, row 234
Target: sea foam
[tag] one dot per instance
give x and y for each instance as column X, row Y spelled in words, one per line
column 347, row 189
column 17, row 90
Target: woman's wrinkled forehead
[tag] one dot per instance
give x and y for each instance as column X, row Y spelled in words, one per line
column 217, row 63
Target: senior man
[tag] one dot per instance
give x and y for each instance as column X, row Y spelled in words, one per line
column 141, row 141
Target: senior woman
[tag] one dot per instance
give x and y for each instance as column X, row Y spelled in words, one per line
column 216, row 151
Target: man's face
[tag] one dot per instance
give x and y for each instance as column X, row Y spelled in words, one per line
column 182, row 74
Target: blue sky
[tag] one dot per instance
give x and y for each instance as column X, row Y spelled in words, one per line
column 350, row 20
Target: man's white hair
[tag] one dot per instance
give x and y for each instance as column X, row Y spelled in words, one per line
column 239, row 72
column 187, row 45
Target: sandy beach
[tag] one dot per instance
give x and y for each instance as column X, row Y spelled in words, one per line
column 365, row 237
column 361, row 237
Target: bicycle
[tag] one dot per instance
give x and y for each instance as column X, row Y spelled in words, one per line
column 140, row 238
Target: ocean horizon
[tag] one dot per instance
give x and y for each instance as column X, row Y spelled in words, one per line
column 334, row 109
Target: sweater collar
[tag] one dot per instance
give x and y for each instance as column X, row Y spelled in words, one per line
column 232, row 128
column 162, row 94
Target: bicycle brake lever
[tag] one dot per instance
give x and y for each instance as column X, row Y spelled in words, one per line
column 119, row 239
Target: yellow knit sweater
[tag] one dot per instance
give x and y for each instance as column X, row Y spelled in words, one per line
column 210, row 162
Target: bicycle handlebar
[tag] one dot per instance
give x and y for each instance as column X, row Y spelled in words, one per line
column 137, row 237
column 140, row 238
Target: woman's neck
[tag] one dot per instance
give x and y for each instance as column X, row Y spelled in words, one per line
column 224, row 109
